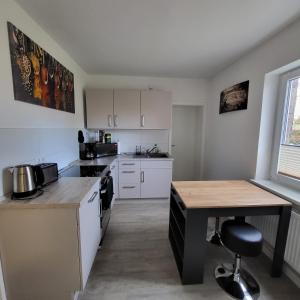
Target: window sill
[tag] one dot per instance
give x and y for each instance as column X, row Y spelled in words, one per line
column 280, row 190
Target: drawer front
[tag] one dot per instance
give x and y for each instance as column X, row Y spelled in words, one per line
column 129, row 164
column 127, row 190
column 157, row 164
column 129, row 175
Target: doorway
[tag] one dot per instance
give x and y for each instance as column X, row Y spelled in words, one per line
column 186, row 142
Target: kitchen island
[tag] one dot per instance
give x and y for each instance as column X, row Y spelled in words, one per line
column 193, row 202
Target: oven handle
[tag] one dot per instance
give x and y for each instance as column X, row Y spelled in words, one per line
column 93, row 197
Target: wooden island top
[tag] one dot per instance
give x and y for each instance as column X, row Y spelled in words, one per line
column 225, row 194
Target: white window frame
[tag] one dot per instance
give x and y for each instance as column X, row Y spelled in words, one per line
column 280, row 129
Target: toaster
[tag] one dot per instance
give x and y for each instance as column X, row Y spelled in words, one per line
column 49, row 172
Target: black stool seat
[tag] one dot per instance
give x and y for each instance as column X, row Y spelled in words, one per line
column 241, row 238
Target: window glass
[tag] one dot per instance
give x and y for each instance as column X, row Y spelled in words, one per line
column 292, row 136
column 289, row 154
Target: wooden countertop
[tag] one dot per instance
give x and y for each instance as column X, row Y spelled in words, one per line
column 66, row 192
column 224, row 194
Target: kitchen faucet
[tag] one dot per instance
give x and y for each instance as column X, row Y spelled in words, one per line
column 152, row 149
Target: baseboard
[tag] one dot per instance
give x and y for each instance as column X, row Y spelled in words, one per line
column 289, row 272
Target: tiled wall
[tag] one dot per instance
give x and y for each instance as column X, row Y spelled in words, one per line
column 129, row 139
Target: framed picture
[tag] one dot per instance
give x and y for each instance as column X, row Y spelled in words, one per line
column 38, row 78
column 234, row 98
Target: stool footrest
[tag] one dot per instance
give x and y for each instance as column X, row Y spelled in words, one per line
column 240, row 286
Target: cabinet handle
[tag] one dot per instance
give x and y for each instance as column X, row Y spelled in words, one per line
column 128, row 187
column 142, row 176
column 116, row 120
column 109, row 120
column 93, row 197
column 128, row 164
column 128, row 172
column 142, row 121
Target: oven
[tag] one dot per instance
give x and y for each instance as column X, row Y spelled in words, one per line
column 106, row 196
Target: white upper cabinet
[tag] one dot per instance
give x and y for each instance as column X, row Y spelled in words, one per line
column 99, row 108
column 127, row 109
column 156, row 109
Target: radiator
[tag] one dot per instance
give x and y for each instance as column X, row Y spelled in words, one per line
column 268, row 227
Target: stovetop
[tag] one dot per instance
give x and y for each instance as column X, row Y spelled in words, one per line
column 84, row 171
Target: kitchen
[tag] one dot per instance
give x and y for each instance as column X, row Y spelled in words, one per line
column 138, row 108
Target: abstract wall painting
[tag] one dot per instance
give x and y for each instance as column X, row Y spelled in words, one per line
column 234, row 98
column 38, row 78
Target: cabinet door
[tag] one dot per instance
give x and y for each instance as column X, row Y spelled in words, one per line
column 127, row 109
column 90, row 232
column 99, row 109
column 156, row 183
column 156, row 109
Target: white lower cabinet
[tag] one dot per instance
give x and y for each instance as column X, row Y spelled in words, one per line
column 156, row 183
column 145, row 178
column 47, row 253
column 90, row 233
column 156, row 179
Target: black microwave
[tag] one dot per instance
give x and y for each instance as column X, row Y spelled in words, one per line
column 96, row 150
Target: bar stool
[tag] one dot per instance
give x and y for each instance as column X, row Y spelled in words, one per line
column 244, row 240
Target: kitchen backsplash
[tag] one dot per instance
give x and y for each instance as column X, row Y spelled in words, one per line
column 129, row 139
column 19, row 146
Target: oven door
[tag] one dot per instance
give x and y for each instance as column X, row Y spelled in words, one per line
column 106, row 195
column 107, row 192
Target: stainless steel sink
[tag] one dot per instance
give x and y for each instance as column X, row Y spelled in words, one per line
column 158, row 155
column 146, row 155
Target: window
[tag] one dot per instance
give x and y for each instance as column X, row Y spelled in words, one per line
column 288, row 152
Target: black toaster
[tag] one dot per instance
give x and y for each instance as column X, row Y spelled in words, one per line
column 49, row 171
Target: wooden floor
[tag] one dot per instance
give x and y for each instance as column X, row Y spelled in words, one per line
column 136, row 262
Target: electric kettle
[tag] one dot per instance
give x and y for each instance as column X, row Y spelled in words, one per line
column 26, row 180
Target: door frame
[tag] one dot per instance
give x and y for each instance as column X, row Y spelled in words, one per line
column 202, row 109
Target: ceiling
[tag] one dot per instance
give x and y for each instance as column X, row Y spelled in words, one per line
column 176, row 38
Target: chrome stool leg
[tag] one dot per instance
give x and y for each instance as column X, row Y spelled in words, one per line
column 237, row 282
column 216, row 238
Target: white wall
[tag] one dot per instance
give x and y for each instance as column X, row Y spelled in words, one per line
column 231, row 143
column 16, row 114
column 31, row 145
column 34, row 146
column 47, row 134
